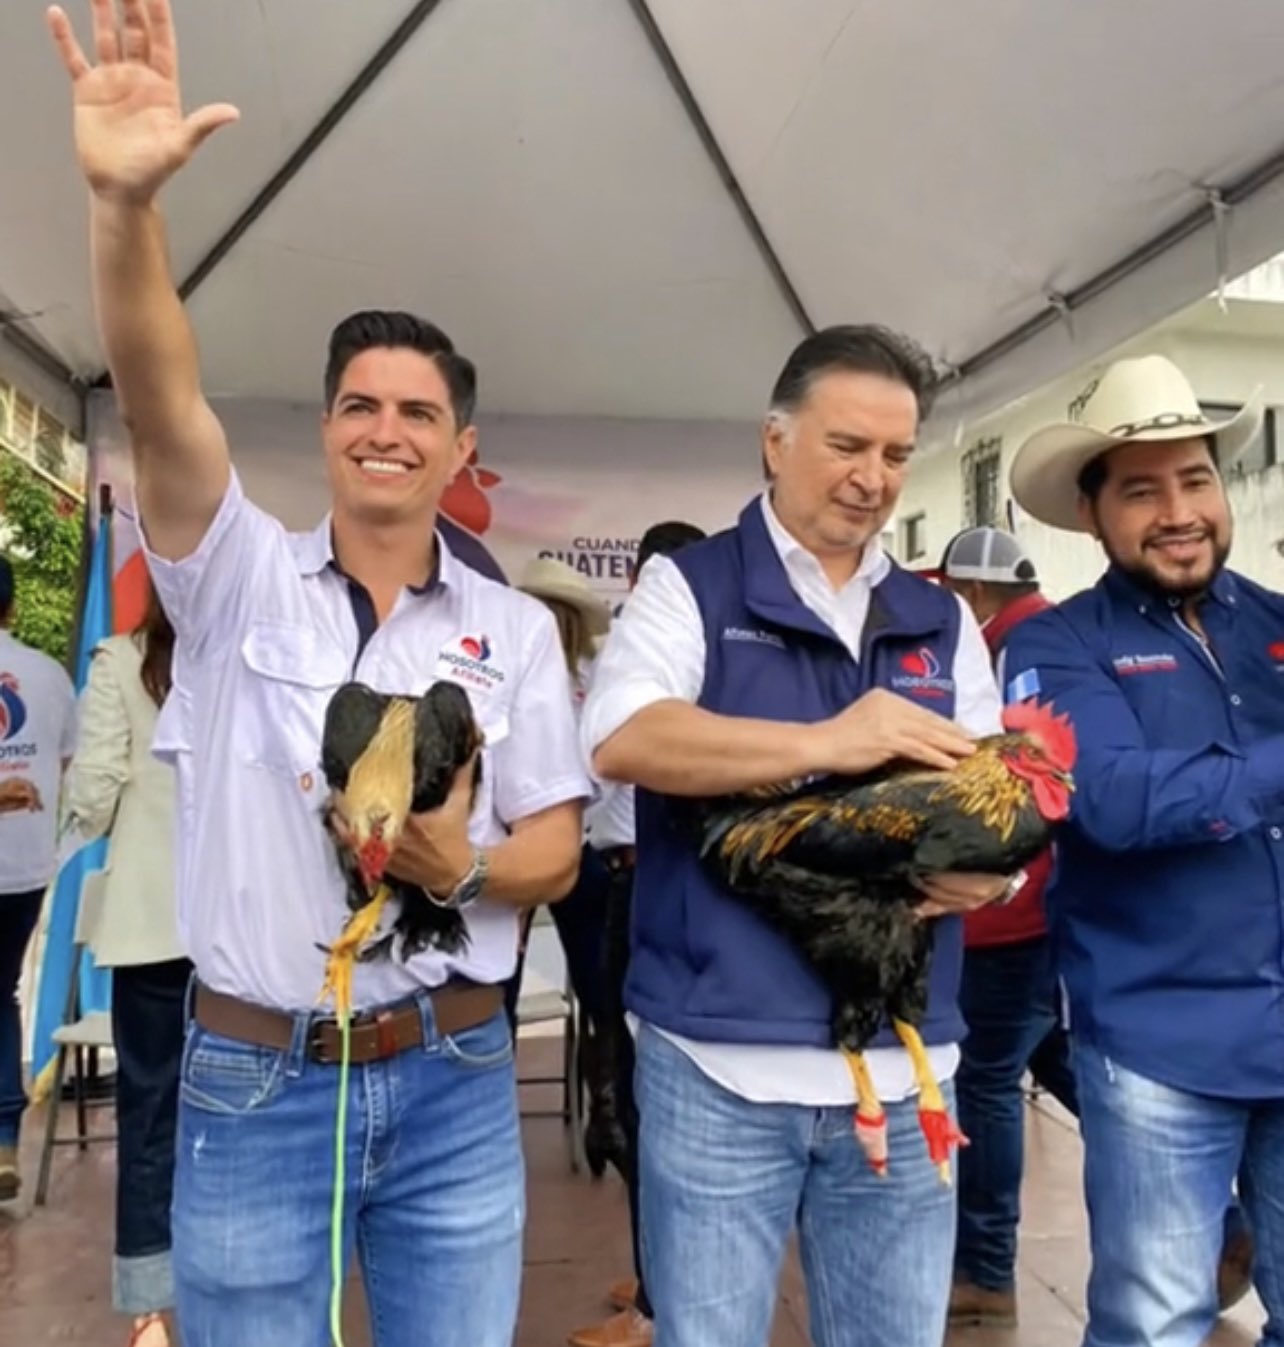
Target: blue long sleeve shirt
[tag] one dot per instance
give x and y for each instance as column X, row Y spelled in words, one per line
column 1167, row 902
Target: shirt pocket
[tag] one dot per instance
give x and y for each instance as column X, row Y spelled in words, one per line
column 293, row 672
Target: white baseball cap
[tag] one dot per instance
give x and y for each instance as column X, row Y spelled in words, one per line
column 988, row 554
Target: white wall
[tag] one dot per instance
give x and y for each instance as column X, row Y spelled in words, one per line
column 1225, row 361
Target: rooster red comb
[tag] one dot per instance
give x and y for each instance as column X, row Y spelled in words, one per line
column 1054, row 732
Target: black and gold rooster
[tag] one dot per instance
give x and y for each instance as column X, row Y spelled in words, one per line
column 385, row 758
column 832, row 866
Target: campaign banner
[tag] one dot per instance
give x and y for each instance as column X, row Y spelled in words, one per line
column 583, row 491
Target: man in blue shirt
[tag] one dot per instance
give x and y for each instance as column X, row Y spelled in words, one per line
column 1168, row 901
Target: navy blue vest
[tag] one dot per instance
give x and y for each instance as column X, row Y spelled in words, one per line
column 703, row 965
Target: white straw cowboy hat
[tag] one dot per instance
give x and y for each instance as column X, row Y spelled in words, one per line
column 548, row 578
column 1147, row 398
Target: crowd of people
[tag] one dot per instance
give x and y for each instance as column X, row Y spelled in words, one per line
column 1135, row 968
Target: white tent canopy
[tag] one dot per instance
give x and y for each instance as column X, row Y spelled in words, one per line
column 635, row 207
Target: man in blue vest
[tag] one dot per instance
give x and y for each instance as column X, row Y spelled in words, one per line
column 786, row 646
column 1166, row 903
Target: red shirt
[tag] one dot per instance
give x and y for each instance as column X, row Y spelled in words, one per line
column 1023, row 918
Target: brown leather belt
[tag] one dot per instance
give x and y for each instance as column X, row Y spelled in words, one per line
column 374, row 1035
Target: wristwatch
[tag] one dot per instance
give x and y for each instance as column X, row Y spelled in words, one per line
column 469, row 889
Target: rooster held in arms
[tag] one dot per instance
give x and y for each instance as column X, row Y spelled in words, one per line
column 385, row 758
column 832, row 865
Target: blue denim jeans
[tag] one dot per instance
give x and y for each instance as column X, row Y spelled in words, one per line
column 19, row 913
column 1009, row 1000
column 725, row 1181
column 434, row 1202
column 1158, row 1165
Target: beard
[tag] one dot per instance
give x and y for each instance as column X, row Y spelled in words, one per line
column 1172, row 582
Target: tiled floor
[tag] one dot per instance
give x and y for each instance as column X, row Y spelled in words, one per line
column 55, row 1282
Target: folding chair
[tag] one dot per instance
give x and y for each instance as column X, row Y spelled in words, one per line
column 546, row 1006
column 78, row 1035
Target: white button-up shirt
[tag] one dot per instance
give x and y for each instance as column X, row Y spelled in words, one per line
column 656, row 652
column 266, row 634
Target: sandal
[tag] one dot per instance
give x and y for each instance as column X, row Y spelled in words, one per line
column 143, row 1337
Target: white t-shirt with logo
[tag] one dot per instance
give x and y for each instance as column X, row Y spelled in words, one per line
column 37, row 732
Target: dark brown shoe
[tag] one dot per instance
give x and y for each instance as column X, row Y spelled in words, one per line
column 623, row 1295
column 971, row 1304
column 1235, row 1270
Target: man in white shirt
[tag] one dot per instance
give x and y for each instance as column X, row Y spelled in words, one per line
column 268, row 626
column 37, row 736
column 787, row 646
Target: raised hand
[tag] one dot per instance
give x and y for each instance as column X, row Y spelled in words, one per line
column 131, row 134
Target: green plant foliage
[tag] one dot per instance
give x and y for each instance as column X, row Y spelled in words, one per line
column 42, row 538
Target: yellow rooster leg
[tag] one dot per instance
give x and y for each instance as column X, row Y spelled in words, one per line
column 941, row 1131
column 343, row 953
column 871, row 1120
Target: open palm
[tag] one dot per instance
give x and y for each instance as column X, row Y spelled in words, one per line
column 131, row 134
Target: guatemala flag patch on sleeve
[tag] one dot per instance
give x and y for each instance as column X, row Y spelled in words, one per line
column 1024, row 686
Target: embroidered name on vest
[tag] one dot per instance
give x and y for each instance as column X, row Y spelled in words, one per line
column 753, row 637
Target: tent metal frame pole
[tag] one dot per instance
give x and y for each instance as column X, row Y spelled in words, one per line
column 664, row 54
column 334, row 114
column 1198, row 219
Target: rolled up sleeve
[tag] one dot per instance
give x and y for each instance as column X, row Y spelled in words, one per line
column 204, row 591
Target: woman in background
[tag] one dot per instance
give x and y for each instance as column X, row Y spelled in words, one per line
column 115, row 787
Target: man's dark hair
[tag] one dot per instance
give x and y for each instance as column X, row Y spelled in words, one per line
column 374, row 328
column 855, row 349
column 665, row 539
column 6, row 590
column 1092, row 476
column 1006, row 591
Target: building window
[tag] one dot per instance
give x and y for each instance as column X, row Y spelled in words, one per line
column 1261, row 452
column 914, row 537
column 982, row 491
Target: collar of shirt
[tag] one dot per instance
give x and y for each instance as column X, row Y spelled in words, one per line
column 844, row 609
column 1122, row 586
column 314, row 552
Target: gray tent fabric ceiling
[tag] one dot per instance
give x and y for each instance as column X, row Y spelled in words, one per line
column 634, row 208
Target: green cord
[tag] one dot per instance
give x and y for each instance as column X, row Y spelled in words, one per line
column 336, row 1215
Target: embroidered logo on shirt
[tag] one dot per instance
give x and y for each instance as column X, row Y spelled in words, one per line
column 468, row 660
column 920, row 675
column 752, row 636
column 921, row 664
column 13, row 710
column 1145, row 664
column 1275, row 651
